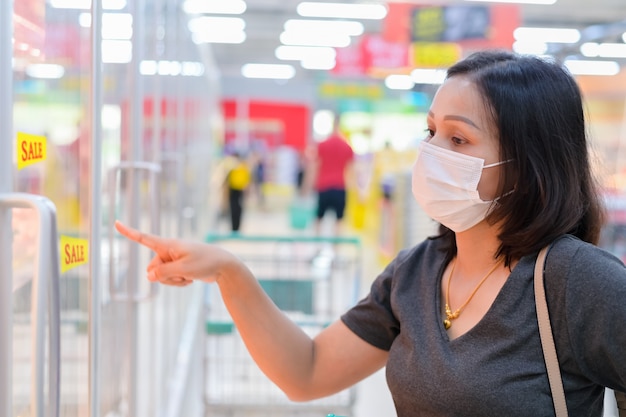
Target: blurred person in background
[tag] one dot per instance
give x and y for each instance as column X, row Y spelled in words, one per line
column 387, row 166
column 328, row 168
column 238, row 180
column 300, row 170
column 259, row 175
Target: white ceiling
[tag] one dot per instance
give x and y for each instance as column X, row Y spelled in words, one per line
column 265, row 19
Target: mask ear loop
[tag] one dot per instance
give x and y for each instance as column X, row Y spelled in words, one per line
column 495, row 164
column 504, row 195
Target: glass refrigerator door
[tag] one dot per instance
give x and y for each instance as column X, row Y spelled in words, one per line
column 46, row 208
column 87, row 136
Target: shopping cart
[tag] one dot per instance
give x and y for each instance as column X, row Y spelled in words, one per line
column 313, row 280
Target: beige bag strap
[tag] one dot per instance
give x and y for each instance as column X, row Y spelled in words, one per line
column 547, row 341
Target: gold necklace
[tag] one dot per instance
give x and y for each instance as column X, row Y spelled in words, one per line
column 447, row 322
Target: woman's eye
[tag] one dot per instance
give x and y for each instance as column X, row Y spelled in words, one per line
column 457, row 141
column 430, row 133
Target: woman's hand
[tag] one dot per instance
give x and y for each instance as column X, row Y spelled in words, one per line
column 178, row 262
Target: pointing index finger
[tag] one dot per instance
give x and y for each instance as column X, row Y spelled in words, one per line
column 153, row 242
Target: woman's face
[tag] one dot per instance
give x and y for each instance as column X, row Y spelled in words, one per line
column 458, row 121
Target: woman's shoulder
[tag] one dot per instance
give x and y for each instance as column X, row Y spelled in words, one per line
column 582, row 264
column 578, row 251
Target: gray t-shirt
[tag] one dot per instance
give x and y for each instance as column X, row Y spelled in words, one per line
column 497, row 368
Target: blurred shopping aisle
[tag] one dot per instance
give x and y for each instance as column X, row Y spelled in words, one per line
column 273, row 219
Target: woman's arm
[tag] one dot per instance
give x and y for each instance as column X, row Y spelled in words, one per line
column 302, row 367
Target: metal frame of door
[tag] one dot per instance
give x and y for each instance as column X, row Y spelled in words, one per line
column 95, row 297
column 6, row 186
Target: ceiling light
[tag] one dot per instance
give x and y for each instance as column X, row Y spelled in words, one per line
column 169, row 68
column 581, row 67
column 315, row 39
column 323, row 122
column 546, row 2
column 603, row 50
column 193, row 69
column 219, row 37
column 214, row 29
column 546, row 35
column 399, row 82
column 214, row 6
column 185, row 68
column 47, row 71
column 530, row 47
column 116, row 51
column 344, row 27
column 86, row 4
column 148, row 67
column 84, row 20
column 317, row 63
column 298, row 53
column 114, row 25
column 117, row 26
column 590, row 49
column 273, row 71
column 428, row 76
column 211, row 24
column 375, row 11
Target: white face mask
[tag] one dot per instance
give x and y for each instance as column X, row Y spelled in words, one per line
column 445, row 185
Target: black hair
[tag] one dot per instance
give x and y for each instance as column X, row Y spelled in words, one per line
column 537, row 108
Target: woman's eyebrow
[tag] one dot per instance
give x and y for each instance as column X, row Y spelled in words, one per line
column 458, row 118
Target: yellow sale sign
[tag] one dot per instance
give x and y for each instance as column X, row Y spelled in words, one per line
column 74, row 252
column 30, row 149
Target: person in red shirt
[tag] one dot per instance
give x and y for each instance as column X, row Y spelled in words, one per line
column 333, row 157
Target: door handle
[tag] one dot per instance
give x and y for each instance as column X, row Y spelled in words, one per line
column 45, row 293
column 155, row 219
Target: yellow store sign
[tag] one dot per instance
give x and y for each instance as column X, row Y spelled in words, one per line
column 74, row 252
column 435, row 54
column 30, row 149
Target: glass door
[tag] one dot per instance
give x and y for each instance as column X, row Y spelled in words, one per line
column 46, row 210
column 108, row 111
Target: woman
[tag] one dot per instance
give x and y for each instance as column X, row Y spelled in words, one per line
column 505, row 170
